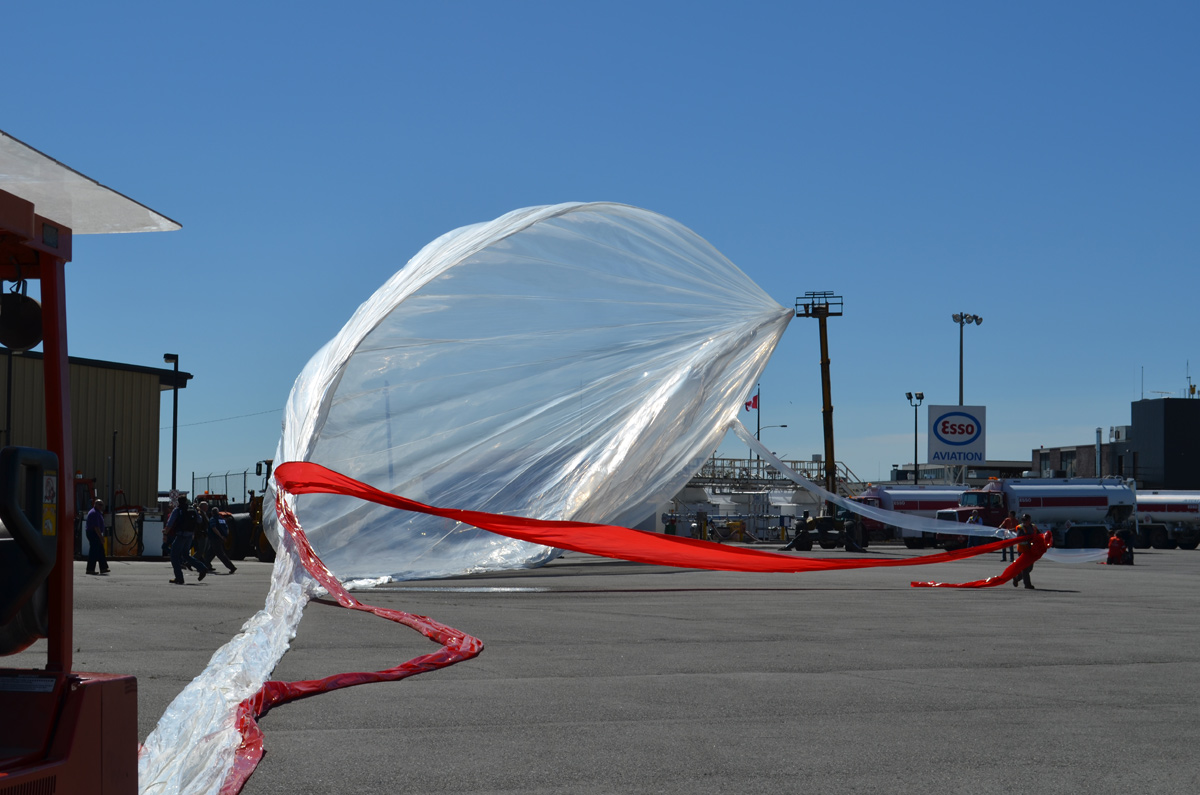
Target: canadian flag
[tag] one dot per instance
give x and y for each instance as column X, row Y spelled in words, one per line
column 752, row 403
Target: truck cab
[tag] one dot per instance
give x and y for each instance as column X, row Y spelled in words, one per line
column 868, row 525
column 991, row 503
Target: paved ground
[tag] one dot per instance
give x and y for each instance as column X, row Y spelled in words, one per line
column 603, row 676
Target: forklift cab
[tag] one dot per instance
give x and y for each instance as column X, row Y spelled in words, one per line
column 62, row 731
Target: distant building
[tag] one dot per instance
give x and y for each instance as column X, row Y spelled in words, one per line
column 1160, row 448
column 979, row 474
column 115, row 409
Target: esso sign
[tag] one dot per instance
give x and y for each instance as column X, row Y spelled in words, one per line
column 957, row 428
column 957, row 434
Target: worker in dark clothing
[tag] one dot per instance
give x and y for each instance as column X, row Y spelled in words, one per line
column 218, row 531
column 183, row 524
column 1026, row 530
column 94, row 527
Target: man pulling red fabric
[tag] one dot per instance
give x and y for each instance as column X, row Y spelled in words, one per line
column 1026, row 530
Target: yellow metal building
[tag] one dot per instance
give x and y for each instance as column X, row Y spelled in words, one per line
column 115, row 420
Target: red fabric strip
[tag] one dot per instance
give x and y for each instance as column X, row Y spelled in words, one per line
column 622, row 543
column 1037, row 547
column 456, row 647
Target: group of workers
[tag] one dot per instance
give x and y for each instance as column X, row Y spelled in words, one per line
column 183, row 525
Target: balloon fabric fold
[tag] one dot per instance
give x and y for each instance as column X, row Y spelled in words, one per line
column 573, row 361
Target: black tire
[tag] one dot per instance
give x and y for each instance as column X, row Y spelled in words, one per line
column 30, row 622
column 266, row 552
column 241, row 542
column 1189, row 542
column 827, row 543
column 914, row 543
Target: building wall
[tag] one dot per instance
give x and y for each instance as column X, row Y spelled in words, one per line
column 1162, row 450
column 1181, row 444
column 1075, row 462
column 103, row 400
column 1149, row 432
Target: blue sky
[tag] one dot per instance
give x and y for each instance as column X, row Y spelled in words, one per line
column 1033, row 163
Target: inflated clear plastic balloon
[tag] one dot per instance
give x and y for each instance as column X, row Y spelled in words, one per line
column 571, row 362
column 575, row 361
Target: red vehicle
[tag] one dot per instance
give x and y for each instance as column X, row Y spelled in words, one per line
column 915, row 500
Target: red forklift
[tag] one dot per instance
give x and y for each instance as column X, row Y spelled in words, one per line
column 62, row 730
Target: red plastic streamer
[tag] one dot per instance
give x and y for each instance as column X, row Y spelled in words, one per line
column 1038, row 544
column 622, row 543
column 456, row 647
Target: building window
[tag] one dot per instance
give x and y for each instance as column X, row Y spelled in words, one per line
column 1068, row 463
column 1044, row 464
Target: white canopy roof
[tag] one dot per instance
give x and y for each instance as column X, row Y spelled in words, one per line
column 62, row 194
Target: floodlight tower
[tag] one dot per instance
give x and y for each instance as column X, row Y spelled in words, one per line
column 823, row 305
column 963, row 319
column 916, row 405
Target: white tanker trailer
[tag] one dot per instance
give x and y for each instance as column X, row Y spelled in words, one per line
column 1051, row 503
column 1168, row 518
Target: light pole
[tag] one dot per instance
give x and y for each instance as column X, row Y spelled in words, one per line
column 915, row 404
column 173, row 359
column 758, row 435
column 963, row 319
column 765, row 428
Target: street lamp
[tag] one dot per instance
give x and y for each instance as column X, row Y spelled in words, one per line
column 760, row 430
column 919, row 397
column 173, row 359
column 963, row 319
column 758, row 435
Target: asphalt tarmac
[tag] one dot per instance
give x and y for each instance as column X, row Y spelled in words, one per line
column 605, row 676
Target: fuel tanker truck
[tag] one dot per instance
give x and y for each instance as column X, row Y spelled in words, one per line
column 915, row 500
column 1080, row 511
column 1167, row 519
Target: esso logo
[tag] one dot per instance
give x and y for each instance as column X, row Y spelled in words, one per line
column 957, row 428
